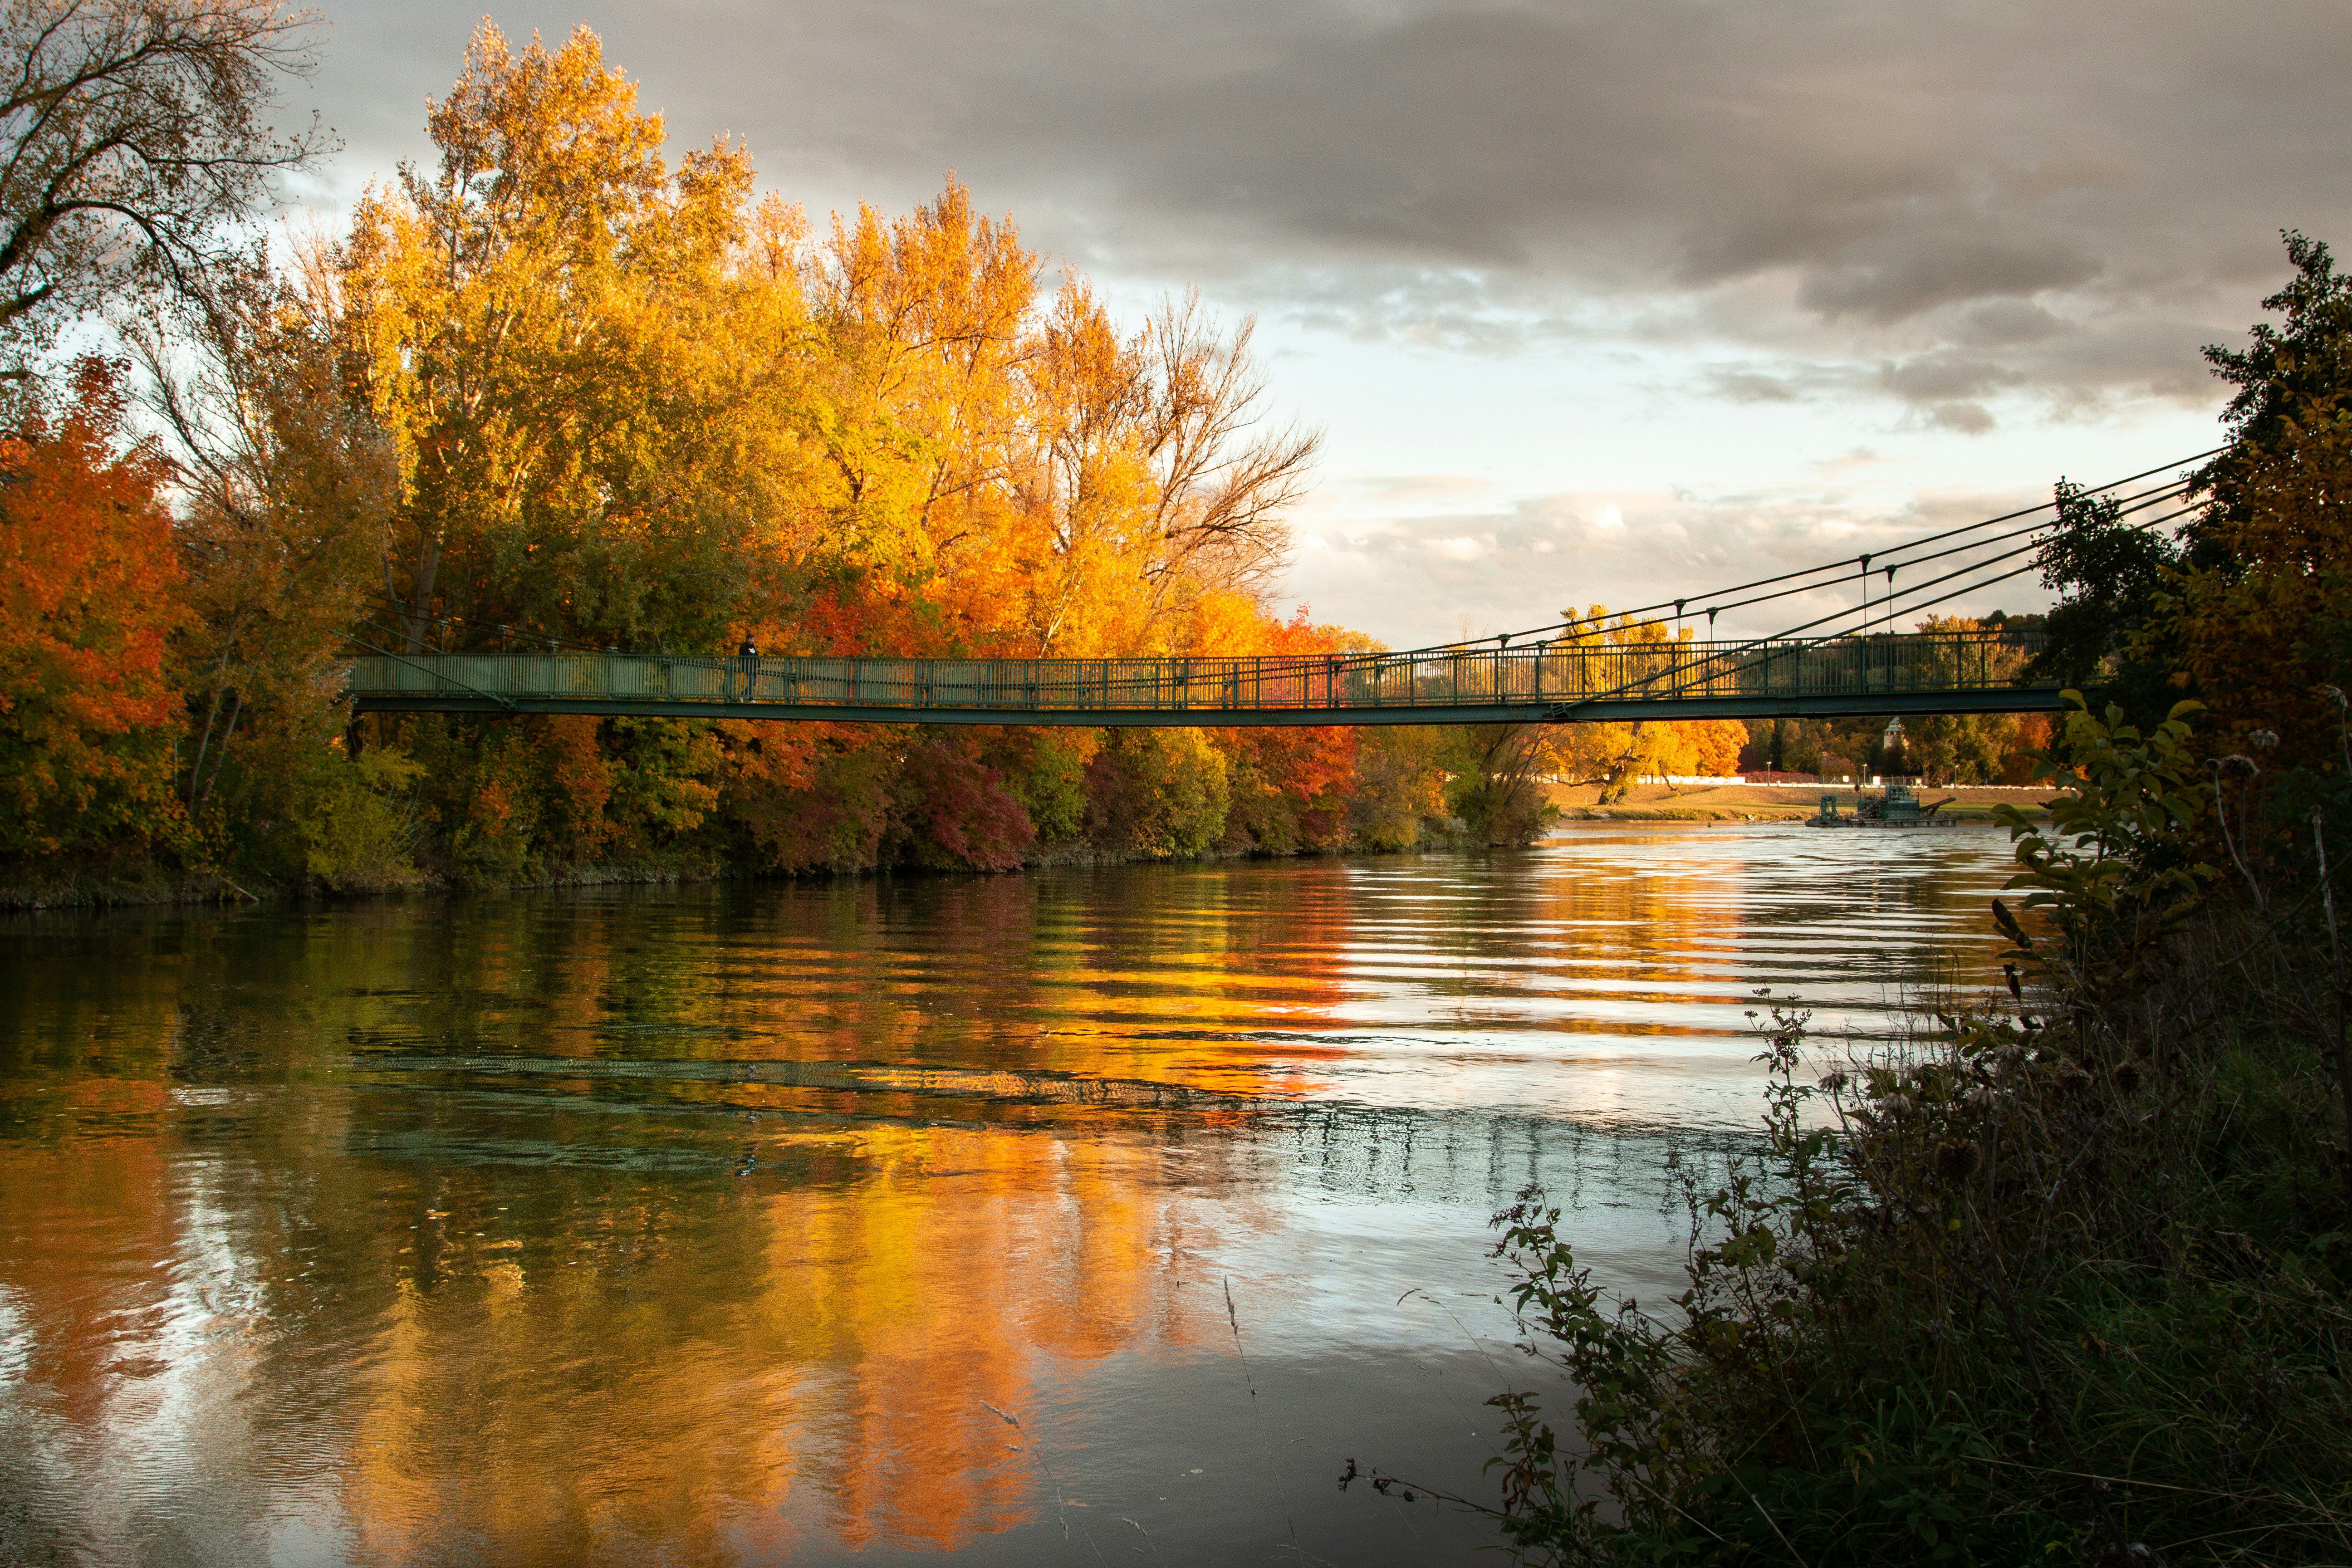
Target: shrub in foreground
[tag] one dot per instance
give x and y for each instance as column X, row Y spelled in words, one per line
column 2067, row 1281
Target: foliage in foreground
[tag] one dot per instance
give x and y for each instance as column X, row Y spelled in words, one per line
column 2069, row 1280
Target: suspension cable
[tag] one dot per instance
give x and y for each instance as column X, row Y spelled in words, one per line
column 2160, row 493
column 1790, row 635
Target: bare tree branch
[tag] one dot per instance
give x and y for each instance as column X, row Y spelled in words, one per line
column 1225, row 485
column 132, row 143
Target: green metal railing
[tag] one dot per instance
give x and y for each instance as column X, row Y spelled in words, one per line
column 1556, row 681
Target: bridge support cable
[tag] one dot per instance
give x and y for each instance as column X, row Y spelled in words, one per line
column 1867, row 636
column 2137, row 503
column 2151, row 497
column 2133, row 504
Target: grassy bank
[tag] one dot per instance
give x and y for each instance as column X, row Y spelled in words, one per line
column 110, row 886
column 1977, row 804
column 102, row 885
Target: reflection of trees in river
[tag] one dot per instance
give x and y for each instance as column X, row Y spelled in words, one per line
column 565, row 1359
column 1031, row 972
column 431, row 1215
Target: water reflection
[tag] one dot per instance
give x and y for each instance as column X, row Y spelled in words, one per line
column 728, row 1224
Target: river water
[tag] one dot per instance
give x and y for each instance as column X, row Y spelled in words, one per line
column 1081, row 1217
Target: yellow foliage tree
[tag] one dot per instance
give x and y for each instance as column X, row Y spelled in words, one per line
column 1615, row 753
column 581, row 358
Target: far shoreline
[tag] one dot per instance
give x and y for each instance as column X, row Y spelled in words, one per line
column 1970, row 804
column 1702, row 804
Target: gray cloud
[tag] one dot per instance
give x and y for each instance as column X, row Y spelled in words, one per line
column 1776, row 381
column 1744, row 384
column 1946, row 205
column 1939, row 378
column 1962, row 415
column 2002, row 323
column 1902, row 275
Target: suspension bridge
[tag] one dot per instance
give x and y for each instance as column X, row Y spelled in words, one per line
column 1848, row 663
column 1933, row 672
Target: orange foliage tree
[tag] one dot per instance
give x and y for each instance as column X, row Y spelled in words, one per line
column 89, row 594
column 559, row 389
column 1288, row 789
column 1615, row 753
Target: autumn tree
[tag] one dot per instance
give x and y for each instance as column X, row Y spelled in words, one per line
column 926, row 323
column 2109, row 574
column 2255, row 625
column 2156, row 617
column 1225, row 479
column 1497, row 783
column 1289, row 786
column 1172, row 483
column 1967, row 748
column 556, row 390
column 587, row 366
column 2262, row 636
column 1614, row 754
column 133, row 141
column 285, row 490
column 1092, row 542
column 1398, row 787
column 2281, row 371
column 574, row 350
column 89, row 582
column 1044, row 482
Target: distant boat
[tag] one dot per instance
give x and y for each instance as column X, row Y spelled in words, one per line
column 1895, row 806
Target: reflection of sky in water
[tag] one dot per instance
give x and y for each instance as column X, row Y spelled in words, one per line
column 720, row 1223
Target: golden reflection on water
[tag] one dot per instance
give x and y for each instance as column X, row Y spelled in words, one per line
column 550, row 1377
column 799, row 1361
column 727, row 1225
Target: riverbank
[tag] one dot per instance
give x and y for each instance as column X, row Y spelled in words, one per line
column 111, row 887
column 2064, row 1278
column 148, row 884
column 1772, row 802
column 121, row 884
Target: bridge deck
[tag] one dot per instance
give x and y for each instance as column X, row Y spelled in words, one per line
column 1927, row 672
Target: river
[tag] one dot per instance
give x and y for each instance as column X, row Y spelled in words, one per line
column 1085, row 1216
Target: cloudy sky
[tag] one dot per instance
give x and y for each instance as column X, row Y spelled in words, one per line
column 1597, row 301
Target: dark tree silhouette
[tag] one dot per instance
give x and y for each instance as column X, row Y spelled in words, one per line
column 132, row 141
